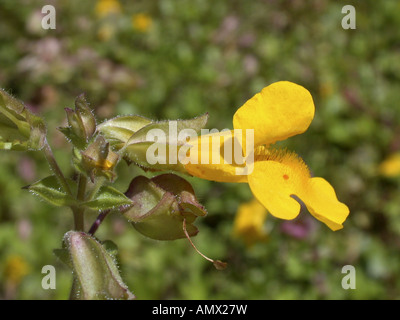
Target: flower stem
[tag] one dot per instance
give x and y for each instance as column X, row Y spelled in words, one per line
column 82, row 187
column 98, row 221
column 78, row 218
column 219, row 265
column 79, row 211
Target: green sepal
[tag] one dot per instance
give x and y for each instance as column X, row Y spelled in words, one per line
column 64, row 256
column 137, row 153
column 97, row 160
column 160, row 206
column 118, row 130
column 49, row 190
column 137, row 148
column 196, row 124
column 81, row 123
column 110, row 247
column 95, row 270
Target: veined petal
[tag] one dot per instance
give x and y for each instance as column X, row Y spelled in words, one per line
column 320, row 199
column 212, row 157
column 279, row 111
column 280, row 175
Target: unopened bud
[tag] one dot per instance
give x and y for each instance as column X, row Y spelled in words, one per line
column 81, row 123
column 95, row 270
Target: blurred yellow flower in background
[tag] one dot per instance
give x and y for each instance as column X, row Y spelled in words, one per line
column 249, row 223
column 141, row 22
column 107, row 7
column 15, row 269
column 390, row 167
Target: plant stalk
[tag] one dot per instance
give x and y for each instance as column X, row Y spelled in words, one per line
column 98, row 221
column 79, row 211
column 54, row 166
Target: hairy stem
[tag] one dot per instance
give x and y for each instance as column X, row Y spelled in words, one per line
column 78, row 218
column 79, row 211
column 97, row 185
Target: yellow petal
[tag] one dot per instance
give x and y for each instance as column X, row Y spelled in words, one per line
column 279, row 175
column 212, row 157
column 279, row 111
column 273, row 183
column 320, row 199
column 249, row 222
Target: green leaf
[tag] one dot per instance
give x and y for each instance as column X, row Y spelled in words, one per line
column 107, row 198
column 49, row 190
column 95, row 270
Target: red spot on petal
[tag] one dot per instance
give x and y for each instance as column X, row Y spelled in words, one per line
column 285, row 176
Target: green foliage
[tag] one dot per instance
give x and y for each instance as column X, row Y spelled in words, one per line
column 107, row 198
column 49, row 190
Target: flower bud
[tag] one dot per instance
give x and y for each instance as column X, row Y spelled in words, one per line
column 81, row 123
column 97, row 160
column 95, row 270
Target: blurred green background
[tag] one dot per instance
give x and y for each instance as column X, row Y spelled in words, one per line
column 174, row 59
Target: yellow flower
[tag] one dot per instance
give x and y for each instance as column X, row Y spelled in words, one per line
column 15, row 269
column 279, row 177
column 249, row 223
column 141, row 22
column 107, row 7
column 390, row 167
